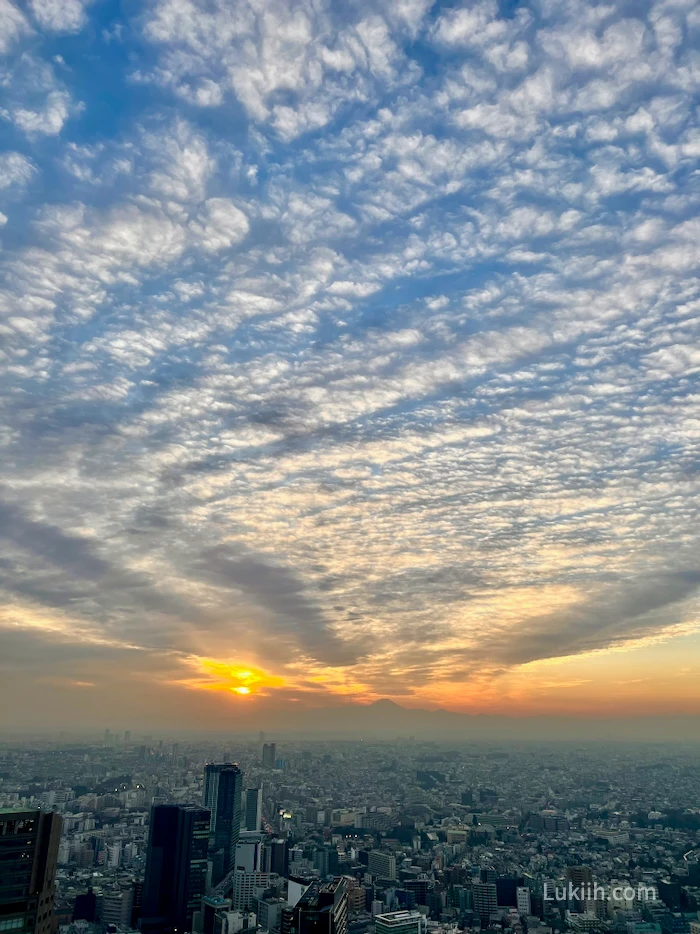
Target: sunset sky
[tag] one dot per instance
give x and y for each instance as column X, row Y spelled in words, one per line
column 348, row 350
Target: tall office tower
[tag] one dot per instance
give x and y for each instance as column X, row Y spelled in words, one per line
column 108, row 737
column 400, row 922
column 28, row 855
column 322, row 909
column 269, row 755
column 223, row 787
column 176, row 868
column 278, row 857
column 485, row 900
column 253, row 809
column 127, row 736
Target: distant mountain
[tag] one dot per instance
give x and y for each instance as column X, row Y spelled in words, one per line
column 385, row 719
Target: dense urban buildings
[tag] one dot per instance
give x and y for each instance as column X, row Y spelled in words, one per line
column 409, row 837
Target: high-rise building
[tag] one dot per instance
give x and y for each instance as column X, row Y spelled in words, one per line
column 268, row 911
column 420, row 889
column 85, row 907
column 117, row 904
column 246, row 885
column 524, row 905
column 253, row 809
column 382, row 865
column 485, row 900
column 400, row 922
column 269, row 755
column 127, row 736
column 322, row 909
column 278, row 857
column 506, row 890
column 176, row 868
column 223, row 787
column 206, row 919
column 326, row 860
column 28, row 856
column 249, row 851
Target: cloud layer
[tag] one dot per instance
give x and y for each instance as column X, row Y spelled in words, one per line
column 352, row 343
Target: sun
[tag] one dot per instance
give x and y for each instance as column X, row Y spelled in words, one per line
column 242, row 689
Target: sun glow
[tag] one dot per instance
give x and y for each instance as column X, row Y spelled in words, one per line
column 214, row 675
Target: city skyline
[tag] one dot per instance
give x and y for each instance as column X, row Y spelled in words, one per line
column 348, row 352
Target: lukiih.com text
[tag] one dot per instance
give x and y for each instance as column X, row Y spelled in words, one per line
column 590, row 891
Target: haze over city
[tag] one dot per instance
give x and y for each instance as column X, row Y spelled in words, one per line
column 349, row 353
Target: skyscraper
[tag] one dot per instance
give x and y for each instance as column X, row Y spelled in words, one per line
column 253, row 809
column 28, row 855
column 322, row 909
column 269, row 755
column 176, row 868
column 223, row 787
column 278, row 857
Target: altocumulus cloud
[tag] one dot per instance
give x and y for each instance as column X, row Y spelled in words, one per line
column 357, row 343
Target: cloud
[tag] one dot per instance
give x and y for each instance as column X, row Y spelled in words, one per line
column 221, row 224
column 620, row 614
column 47, row 121
column 282, row 594
column 59, row 15
column 290, row 66
column 13, row 25
column 15, row 169
column 353, row 344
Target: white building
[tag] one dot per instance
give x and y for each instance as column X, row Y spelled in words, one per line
column 523, row 900
column 382, row 865
column 245, row 886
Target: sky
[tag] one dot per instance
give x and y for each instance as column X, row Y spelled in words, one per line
column 348, row 350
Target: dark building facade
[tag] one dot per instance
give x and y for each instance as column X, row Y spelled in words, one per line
column 253, row 809
column 176, row 868
column 322, row 909
column 279, row 857
column 223, row 787
column 269, row 755
column 28, row 856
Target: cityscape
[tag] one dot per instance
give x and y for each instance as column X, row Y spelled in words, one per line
column 138, row 833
